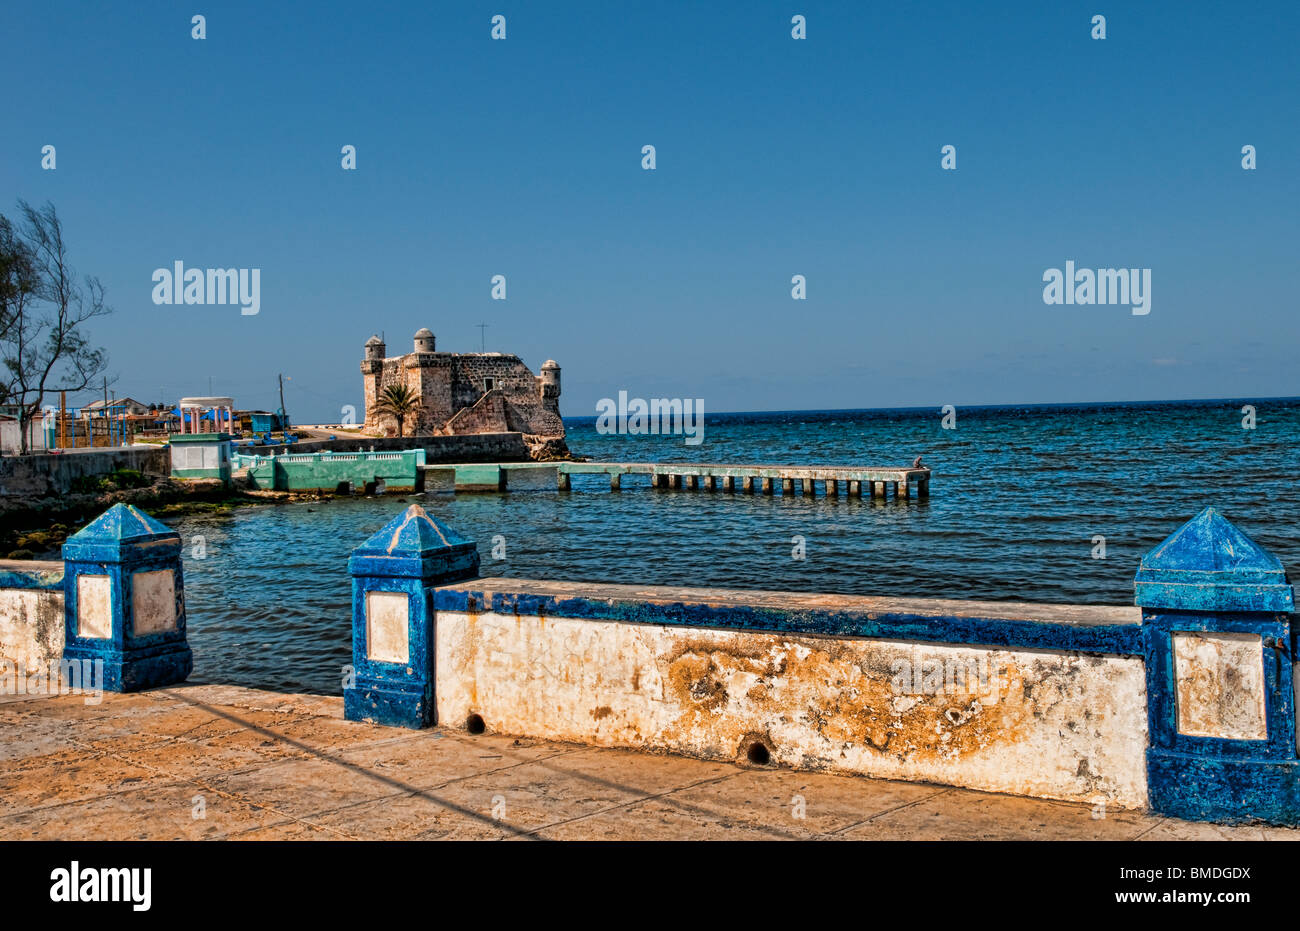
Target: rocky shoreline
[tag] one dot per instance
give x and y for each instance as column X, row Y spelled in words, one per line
column 35, row 528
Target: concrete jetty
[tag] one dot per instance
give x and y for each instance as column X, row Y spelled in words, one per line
column 852, row 481
column 835, row 481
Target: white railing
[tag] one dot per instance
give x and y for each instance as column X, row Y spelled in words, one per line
column 253, row 460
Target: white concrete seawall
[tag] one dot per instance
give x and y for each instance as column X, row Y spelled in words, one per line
column 1052, row 724
column 31, row 612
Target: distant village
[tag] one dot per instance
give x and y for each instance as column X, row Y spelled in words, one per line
column 125, row 421
column 421, row 393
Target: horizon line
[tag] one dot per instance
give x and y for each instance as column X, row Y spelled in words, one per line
column 923, row 407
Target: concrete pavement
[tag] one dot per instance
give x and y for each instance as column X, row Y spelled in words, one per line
column 207, row 761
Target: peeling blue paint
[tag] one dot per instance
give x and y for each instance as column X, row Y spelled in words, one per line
column 119, row 543
column 1209, row 577
column 42, row 576
column 1210, row 565
column 410, row 555
column 1106, row 639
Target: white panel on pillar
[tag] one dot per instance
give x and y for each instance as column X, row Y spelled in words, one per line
column 153, row 601
column 1219, row 685
column 388, row 627
column 94, row 607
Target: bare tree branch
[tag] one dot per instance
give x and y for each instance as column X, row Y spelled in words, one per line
column 43, row 315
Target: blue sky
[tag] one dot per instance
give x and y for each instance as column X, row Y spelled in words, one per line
column 775, row 157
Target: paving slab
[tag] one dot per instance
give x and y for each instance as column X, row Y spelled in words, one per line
column 965, row 815
column 210, row 762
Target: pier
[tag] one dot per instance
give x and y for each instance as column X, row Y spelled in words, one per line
column 835, row 481
column 409, row 470
column 851, row 481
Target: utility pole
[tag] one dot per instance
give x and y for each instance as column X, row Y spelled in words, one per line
column 105, row 394
column 284, row 417
column 482, row 336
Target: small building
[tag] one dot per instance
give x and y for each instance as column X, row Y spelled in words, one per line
column 11, row 434
column 200, row 455
column 262, row 421
column 119, row 406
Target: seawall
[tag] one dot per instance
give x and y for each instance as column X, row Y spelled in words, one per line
column 1182, row 705
column 41, row 475
column 1040, row 700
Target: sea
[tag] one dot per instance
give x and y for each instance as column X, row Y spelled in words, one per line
column 1050, row 503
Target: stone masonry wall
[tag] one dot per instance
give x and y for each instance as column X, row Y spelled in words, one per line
column 448, row 383
column 486, row 416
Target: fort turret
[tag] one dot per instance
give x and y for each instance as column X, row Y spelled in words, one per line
column 375, row 350
column 550, row 379
column 372, row 372
column 462, row 392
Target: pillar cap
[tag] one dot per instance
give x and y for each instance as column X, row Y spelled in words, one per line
column 121, row 530
column 416, row 545
column 1208, row 564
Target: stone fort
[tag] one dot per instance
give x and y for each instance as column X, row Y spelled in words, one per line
column 463, row 392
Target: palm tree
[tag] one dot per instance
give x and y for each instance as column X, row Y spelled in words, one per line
column 399, row 402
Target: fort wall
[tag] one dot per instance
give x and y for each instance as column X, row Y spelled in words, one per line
column 501, row 394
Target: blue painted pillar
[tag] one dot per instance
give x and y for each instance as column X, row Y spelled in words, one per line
column 124, row 601
column 1217, row 633
column 394, row 574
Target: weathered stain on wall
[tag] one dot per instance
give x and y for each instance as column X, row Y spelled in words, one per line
column 1050, row 724
column 1219, row 683
column 31, row 627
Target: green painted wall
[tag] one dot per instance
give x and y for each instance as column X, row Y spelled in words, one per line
column 399, row 471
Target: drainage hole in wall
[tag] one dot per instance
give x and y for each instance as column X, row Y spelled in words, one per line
column 475, row 725
column 758, row 754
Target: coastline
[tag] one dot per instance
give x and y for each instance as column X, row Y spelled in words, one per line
column 35, row 528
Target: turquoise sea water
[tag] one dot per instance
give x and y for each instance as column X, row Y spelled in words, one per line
column 1017, row 496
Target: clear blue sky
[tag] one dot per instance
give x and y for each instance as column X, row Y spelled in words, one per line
column 776, row 157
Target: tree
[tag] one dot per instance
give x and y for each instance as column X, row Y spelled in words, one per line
column 399, row 402
column 43, row 315
column 18, row 280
